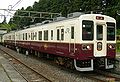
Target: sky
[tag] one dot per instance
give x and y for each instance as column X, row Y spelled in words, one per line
column 14, row 4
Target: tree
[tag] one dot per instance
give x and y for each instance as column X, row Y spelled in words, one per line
column 107, row 7
column 9, row 27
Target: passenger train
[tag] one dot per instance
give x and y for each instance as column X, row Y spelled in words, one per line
column 2, row 31
column 85, row 42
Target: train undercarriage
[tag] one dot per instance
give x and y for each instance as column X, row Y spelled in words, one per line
column 80, row 65
column 83, row 65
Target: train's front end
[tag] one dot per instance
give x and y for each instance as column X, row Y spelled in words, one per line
column 104, row 42
column 97, row 42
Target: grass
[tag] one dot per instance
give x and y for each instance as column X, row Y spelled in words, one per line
column 118, row 46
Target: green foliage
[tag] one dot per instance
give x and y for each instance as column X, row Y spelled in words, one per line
column 68, row 6
column 118, row 46
column 118, row 31
column 9, row 27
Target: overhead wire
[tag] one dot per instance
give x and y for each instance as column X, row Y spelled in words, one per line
column 18, row 2
column 12, row 7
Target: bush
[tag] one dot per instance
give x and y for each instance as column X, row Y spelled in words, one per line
column 118, row 46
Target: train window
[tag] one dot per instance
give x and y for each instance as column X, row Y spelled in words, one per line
column 25, row 36
column 40, row 35
column 51, row 34
column 99, row 32
column 13, row 37
column 9, row 37
column 62, row 34
column 19, row 37
column 72, row 32
column 28, row 35
column 35, row 36
column 31, row 36
column 58, row 34
column 87, row 30
column 110, row 31
column 46, row 35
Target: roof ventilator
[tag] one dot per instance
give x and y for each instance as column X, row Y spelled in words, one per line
column 75, row 14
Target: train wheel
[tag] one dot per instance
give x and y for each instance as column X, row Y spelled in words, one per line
column 69, row 63
column 18, row 50
column 56, row 60
column 27, row 53
column 36, row 53
column 39, row 54
column 59, row 60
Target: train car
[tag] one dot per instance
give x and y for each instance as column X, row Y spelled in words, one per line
column 8, row 39
column 2, row 31
column 1, row 40
column 85, row 42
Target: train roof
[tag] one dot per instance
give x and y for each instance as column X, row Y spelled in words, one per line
column 70, row 16
column 58, row 19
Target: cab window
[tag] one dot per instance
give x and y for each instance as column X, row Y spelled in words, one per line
column 87, row 30
column 110, row 31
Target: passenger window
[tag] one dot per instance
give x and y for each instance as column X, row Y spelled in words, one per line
column 31, row 36
column 46, row 35
column 62, row 34
column 40, row 35
column 25, row 36
column 51, row 34
column 72, row 32
column 58, row 34
column 35, row 35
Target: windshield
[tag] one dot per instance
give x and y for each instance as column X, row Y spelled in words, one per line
column 87, row 30
column 110, row 31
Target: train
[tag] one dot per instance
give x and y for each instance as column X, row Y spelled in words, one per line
column 84, row 42
column 2, row 31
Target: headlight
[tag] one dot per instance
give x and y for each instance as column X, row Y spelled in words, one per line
column 86, row 47
column 111, row 46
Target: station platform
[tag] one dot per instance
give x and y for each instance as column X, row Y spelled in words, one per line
column 8, row 73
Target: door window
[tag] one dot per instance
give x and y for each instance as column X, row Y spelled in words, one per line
column 99, row 32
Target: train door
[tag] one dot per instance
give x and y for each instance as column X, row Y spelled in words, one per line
column 100, row 41
column 72, row 41
column 60, row 38
column 60, row 33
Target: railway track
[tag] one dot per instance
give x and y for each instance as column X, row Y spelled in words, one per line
column 29, row 74
column 95, row 77
column 110, row 76
column 102, row 76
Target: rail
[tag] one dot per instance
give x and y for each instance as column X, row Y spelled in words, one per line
column 32, row 69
